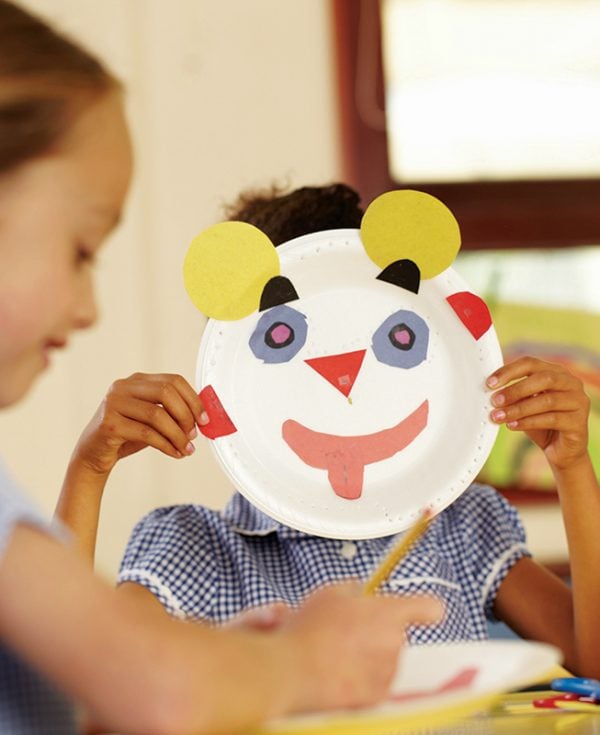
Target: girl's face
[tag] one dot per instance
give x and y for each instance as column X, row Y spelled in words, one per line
column 55, row 212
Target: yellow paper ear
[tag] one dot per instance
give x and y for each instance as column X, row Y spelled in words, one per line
column 226, row 268
column 412, row 225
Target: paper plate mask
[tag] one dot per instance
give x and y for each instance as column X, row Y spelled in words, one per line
column 344, row 372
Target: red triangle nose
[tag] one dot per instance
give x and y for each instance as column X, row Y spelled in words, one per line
column 339, row 370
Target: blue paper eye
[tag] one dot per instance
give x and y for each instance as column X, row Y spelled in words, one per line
column 279, row 335
column 402, row 340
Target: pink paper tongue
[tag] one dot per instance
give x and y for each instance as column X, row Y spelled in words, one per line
column 345, row 457
column 345, row 473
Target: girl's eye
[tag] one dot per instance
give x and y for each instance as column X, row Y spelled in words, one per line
column 279, row 335
column 402, row 340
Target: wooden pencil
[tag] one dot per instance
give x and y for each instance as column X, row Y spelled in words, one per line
column 400, row 550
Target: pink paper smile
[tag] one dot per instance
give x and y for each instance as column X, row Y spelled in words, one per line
column 345, row 457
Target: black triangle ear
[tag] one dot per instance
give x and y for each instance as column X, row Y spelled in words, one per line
column 404, row 273
column 278, row 290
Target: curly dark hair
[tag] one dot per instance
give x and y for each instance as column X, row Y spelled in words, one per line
column 283, row 216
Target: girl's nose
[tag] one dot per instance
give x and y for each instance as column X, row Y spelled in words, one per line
column 339, row 370
column 86, row 309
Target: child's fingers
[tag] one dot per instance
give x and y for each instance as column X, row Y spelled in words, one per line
column 155, row 417
column 184, row 390
column 553, row 403
column 545, row 381
column 136, row 432
column 560, row 421
column 520, row 368
column 191, row 398
column 158, row 389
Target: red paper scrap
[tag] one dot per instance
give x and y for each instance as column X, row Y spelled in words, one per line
column 219, row 423
column 339, row 370
column 472, row 311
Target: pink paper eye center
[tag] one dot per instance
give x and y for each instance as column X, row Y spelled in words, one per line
column 401, row 336
column 280, row 334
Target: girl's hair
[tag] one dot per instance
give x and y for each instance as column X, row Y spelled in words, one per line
column 45, row 81
column 283, row 216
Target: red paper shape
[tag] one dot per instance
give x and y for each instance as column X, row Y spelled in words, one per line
column 339, row 370
column 472, row 311
column 345, row 457
column 219, row 423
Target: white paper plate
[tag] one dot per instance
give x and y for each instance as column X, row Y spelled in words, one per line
column 343, row 305
column 434, row 685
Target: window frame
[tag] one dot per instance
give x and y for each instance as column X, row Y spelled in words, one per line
column 492, row 214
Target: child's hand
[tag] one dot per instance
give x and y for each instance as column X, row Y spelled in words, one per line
column 350, row 643
column 159, row 411
column 548, row 403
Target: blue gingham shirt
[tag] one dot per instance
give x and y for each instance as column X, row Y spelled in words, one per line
column 29, row 704
column 212, row 565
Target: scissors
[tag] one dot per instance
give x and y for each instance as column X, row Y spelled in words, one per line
column 577, row 685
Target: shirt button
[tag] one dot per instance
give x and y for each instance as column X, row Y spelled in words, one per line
column 348, row 550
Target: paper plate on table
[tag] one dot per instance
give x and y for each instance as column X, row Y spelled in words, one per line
column 434, row 686
column 345, row 409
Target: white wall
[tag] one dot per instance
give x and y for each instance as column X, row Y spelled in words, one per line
column 222, row 95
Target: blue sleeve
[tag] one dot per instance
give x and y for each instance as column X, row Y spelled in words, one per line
column 16, row 508
column 170, row 552
column 29, row 703
column 495, row 540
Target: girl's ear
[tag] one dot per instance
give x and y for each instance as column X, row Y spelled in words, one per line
column 226, row 269
column 409, row 226
column 472, row 311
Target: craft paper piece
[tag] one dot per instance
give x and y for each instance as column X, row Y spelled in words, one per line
column 404, row 273
column 472, row 311
column 219, row 423
column 226, row 268
column 410, row 225
column 277, row 291
column 345, row 457
column 339, row 370
column 347, row 369
column 402, row 340
column 435, row 685
column 279, row 335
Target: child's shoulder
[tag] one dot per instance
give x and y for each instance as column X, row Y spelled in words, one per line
column 180, row 514
column 480, row 493
column 185, row 523
column 479, row 503
column 480, row 526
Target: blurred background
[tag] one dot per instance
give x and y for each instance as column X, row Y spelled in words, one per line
column 491, row 105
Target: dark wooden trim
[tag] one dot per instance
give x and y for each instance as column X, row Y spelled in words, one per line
column 491, row 214
column 529, row 496
column 364, row 147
